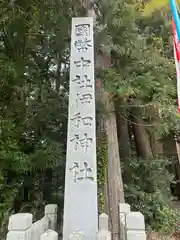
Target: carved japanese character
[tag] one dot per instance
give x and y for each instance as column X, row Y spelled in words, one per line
column 86, row 170
column 74, row 169
column 84, row 173
column 78, row 142
column 83, row 81
column 82, row 30
column 82, row 63
column 87, row 121
column 86, row 142
column 83, row 45
column 76, row 119
column 75, row 142
column 83, row 98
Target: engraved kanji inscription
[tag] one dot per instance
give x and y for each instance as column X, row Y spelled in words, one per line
column 83, row 45
column 83, row 81
column 83, row 98
column 75, row 168
column 76, row 119
column 84, row 173
column 82, row 30
column 78, row 143
column 82, row 63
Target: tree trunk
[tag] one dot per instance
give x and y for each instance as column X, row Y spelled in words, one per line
column 172, row 150
column 156, row 144
column 48, row 186
column 113, row 189
column 123, row 132
column 141, row 137
column 115, row 183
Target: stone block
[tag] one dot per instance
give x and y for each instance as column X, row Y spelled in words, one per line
column 51, row 209
column 135, row 221
column 136, row 235
column 103, row 235
column 19, row 235
column 20, row 221
column 124, row 208
column 49, row 235
column 103, row 221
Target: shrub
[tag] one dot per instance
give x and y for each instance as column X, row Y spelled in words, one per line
column 147, row 189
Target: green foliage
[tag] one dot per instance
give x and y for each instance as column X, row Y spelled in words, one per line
column 10, row 153
column 34, row 74
column 166, row 220
column 102, row 167
column 154, row 5
column 147, row 189
column 142, row 71
column 142, row 59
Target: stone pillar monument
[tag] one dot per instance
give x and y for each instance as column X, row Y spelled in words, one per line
column 80, row 206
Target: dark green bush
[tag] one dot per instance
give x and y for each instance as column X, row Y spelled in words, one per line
column 147, row 189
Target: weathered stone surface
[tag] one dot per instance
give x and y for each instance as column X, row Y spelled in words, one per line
column 103, row 221
column 135, row 226
column 103, row 235
column 49, row 235
column 20, row 221
column 51, row 209
column 78, row 235
column 135, row 220
column 51, row 212
column 124, row 208
column 19, row 235
column 80, row 207
column 136, row 235
column 21, row 227
column 39, row 227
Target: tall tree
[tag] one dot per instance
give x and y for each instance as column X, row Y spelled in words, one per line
column 34, row 63
column 113, row 183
